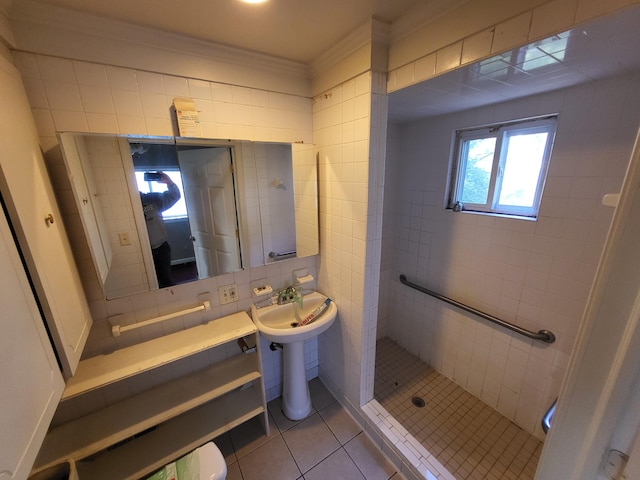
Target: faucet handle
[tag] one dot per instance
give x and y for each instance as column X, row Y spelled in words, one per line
column 285, row 295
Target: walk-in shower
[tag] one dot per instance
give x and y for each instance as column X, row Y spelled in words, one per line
column 471, row 393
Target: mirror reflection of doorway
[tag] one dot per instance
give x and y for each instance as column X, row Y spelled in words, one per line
column 207, row 175
column 163, row 158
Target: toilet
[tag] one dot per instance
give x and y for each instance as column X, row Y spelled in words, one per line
column 212, row 464
column 204, row 463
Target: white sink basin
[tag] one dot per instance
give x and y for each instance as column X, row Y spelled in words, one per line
column 278, row 323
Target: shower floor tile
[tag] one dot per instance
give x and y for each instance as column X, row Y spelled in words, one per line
column 471, row 439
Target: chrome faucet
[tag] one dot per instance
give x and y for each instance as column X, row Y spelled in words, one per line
column 286, row 295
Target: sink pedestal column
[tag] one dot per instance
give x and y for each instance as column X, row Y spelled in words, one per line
column 296, row 401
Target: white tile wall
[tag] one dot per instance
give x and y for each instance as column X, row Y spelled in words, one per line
column 535, row 274
column 122, row 100
column 350, row 131
column 377, row 158
column 341, row 131
column 79, row 96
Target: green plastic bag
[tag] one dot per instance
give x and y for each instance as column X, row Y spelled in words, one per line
column 168, row 472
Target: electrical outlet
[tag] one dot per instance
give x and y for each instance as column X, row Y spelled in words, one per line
column 228, row 294
column 124, row 238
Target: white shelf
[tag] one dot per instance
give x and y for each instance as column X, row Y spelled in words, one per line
column 161, row 424
column 102, row 370
column 108, row 426
column 174, row 438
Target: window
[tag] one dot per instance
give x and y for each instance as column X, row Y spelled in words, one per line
column 179, row 209
column 502, row 168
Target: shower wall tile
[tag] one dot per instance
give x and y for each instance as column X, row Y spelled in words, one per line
column 534, row 274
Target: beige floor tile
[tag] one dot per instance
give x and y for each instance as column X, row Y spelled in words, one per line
column 340, row 422
column 320, row 396
column 223, row 442
column 310, row 442
column 368, row 458
column 338, row 466
column 271, row 460
column 233, row 472
column 250, row 435
column 283, row 423
column 327, row 445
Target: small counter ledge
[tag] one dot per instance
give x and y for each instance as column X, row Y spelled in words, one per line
column 102, row 370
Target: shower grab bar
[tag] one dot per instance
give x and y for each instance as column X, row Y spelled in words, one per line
column 545, row 336
column 546, row 420
column 116, row 330
column 277, row 255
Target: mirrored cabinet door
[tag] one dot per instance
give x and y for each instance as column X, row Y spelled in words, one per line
column 163, row 210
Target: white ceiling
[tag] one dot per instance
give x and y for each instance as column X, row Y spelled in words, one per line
column 298, row 30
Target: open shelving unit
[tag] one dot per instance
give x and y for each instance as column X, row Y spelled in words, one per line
column 141, row 433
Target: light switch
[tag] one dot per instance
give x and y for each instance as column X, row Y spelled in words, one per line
column 124, row 238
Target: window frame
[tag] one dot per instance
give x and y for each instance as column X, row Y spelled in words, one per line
column 501, row 132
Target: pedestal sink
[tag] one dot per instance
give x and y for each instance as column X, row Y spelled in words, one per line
column 279, row 324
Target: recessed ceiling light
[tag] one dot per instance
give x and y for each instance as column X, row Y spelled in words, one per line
column 253, row 1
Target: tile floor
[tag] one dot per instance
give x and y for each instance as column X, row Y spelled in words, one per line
column 328, row 444
column 468, row 437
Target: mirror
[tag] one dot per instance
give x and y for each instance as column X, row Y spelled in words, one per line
column 241, row 204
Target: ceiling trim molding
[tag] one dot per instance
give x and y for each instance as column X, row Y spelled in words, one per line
column 420, row 15
column 359, row 38
column 37, row 14
column 6, row 34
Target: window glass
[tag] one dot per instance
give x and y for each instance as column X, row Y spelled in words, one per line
column 501, row 168
column 522, row 168
column 477, row 172
column 179, row 209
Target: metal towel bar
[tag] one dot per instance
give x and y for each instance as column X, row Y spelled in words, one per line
column 116, row 330
column 545, row 336
column 280, row 255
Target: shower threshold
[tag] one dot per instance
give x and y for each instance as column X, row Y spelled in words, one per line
column 448, row 425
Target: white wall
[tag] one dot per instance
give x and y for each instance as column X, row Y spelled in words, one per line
column 534, row 274
column 69, row 95
column 350, row 131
